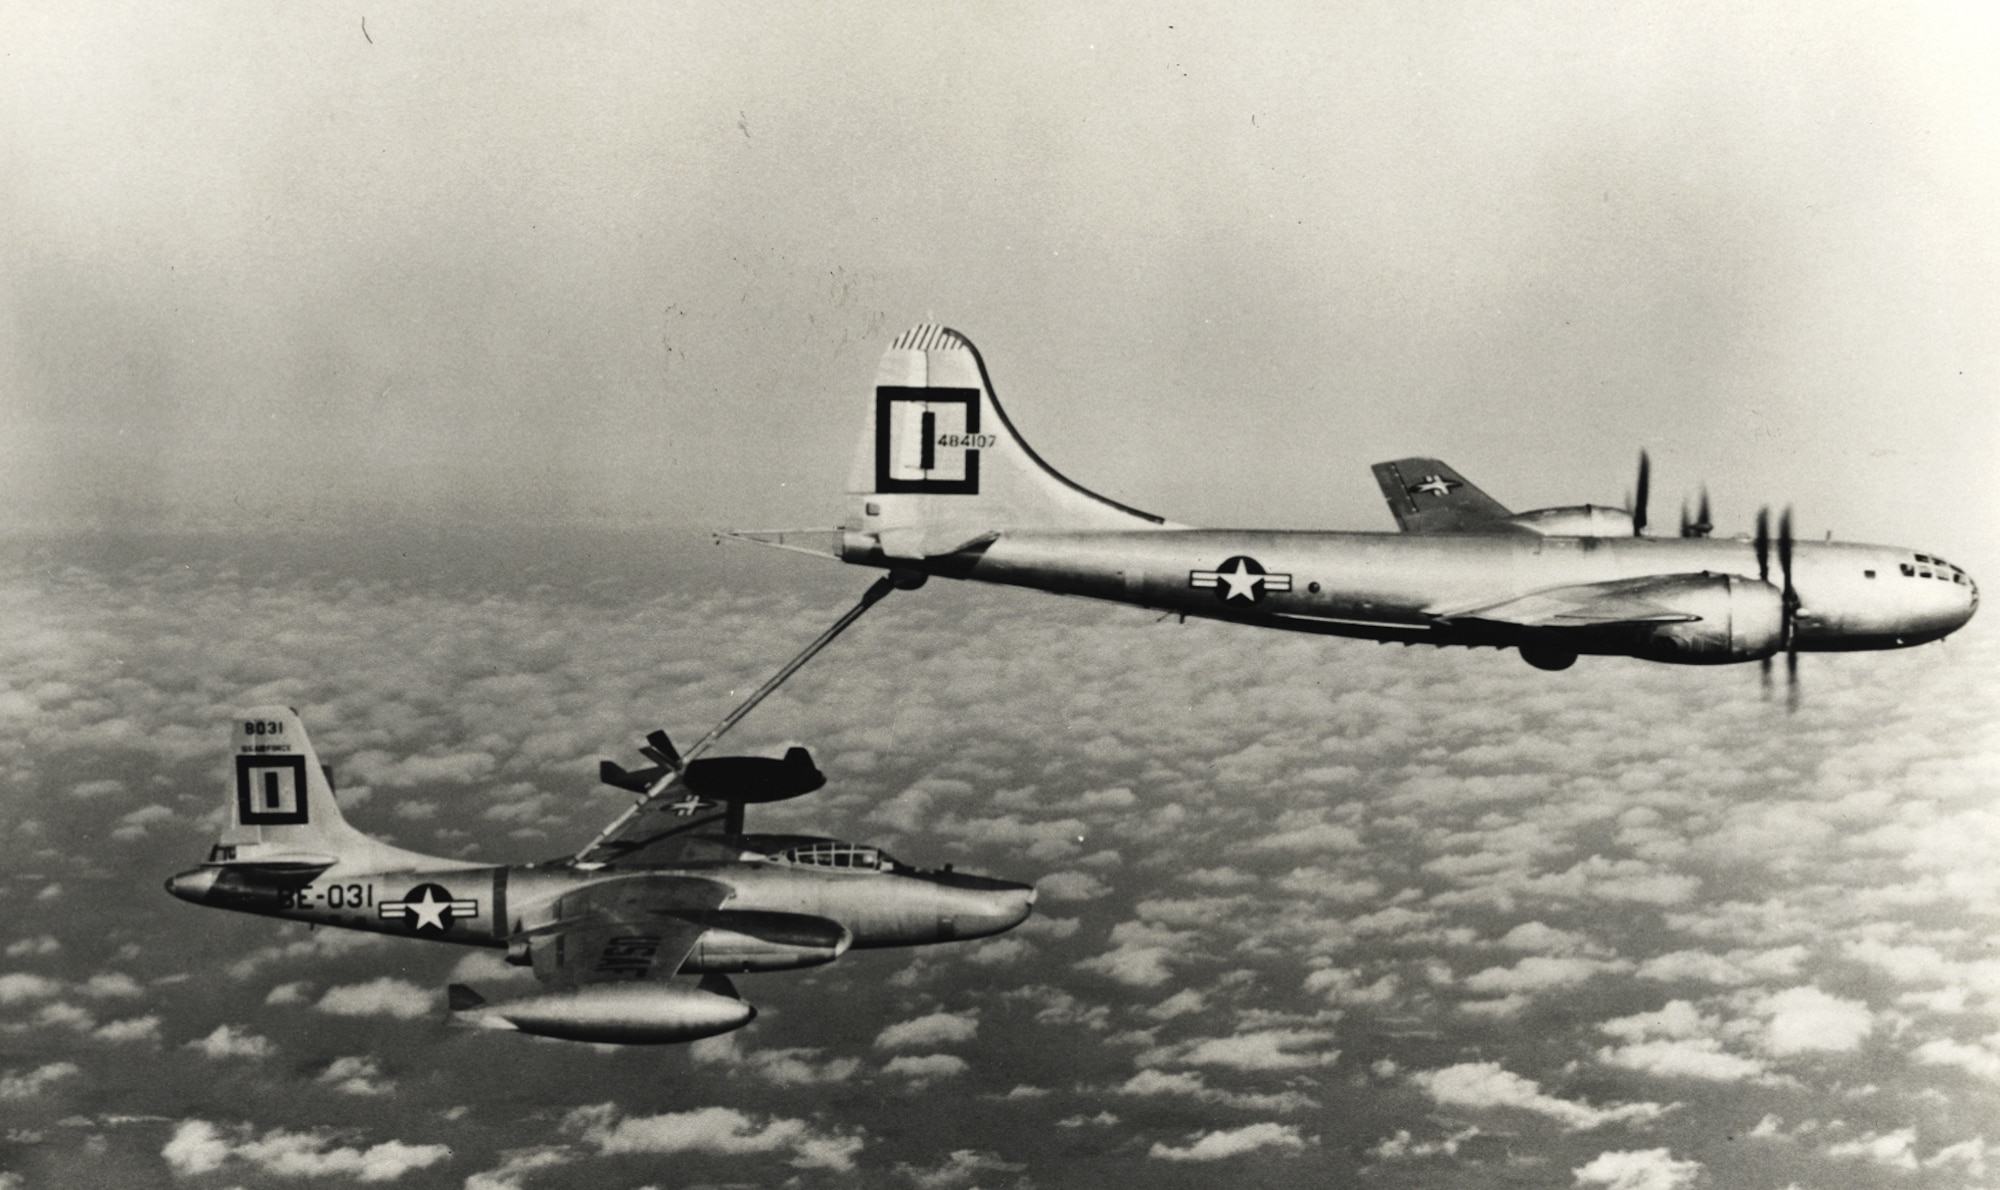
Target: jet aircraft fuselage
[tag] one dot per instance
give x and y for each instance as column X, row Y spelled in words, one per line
column 884, row 904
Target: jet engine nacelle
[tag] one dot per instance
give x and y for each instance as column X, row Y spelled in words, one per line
column 1580, row 520
column 1742, row 619
column 754, row 940
column 621, row 1014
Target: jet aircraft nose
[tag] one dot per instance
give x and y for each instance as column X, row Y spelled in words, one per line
column 977, row 906
column 193, row 885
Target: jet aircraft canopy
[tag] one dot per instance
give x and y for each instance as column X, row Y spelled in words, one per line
column 831, row 853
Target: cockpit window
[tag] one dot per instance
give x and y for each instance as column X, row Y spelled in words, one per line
column 838, row 855
column 1907, row 569
column 1923, row 558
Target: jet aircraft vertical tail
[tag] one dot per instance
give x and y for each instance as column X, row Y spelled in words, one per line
column 939, row 467
column 281, row 811
column 280, row 800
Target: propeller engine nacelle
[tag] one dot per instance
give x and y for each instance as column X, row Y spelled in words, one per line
column 1579, row 520
column 754, row 940
column 1592, row 520
column 1742, row 619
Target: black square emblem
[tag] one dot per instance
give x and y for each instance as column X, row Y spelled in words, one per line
column 271, row 790
column 928, row 440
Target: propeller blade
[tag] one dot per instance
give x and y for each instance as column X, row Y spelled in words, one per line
column 1764, row 676
column 1789, row 593
column 1785, row 552
column 1764, row 545
column 1790, row 610
column 1687, row 526
column 1645, row 489
column 1703, row 525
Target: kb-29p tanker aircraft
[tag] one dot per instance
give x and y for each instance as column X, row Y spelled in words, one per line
column 943, row 485
column 674, row 886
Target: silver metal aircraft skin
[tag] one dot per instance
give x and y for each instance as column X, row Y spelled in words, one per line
column 943, row 485
column 674, row 887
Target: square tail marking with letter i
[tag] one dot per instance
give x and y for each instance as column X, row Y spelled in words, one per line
column 928, row 440
column 271, row 790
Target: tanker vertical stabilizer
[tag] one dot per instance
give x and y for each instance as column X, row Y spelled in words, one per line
column 939, row 466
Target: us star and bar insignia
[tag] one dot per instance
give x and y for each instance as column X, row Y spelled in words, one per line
column 430, row 907
column 1241, row 577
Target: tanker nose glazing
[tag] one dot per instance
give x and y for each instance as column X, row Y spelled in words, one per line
column 1955, row 595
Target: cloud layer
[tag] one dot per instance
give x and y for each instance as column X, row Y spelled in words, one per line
column 1697, row 917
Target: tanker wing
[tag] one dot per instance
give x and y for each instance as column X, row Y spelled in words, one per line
column 1629, row 601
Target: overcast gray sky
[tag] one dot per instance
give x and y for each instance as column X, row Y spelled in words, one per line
column 534, row 264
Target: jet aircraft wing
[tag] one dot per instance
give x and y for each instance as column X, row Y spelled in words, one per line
column 1427, row 496
column 690, row 816
column 670, row 827
column 1585, row 605
column 674, row 827
column 632, row 929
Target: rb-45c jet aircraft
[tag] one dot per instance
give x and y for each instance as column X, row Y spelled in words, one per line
column 943, row 485
column 672, row 887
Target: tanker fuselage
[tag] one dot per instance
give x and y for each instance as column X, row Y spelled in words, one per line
column 1393, row 586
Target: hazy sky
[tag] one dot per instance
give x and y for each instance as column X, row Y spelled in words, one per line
column 632, row 265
